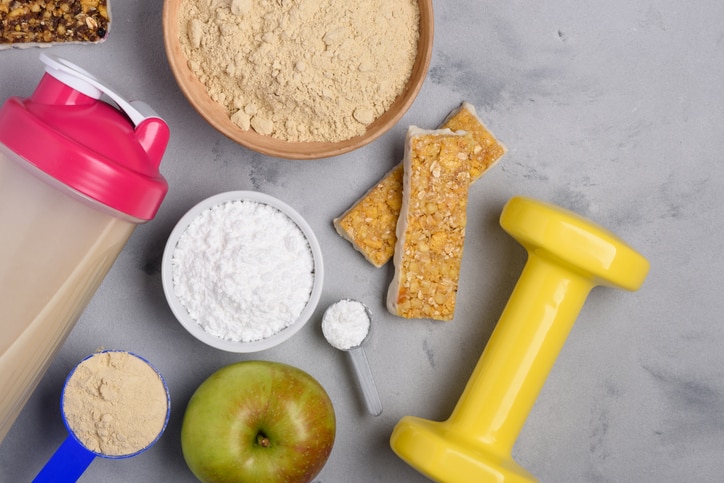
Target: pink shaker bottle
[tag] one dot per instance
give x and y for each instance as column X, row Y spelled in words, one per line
column 77, row 175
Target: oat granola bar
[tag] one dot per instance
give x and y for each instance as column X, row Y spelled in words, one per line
column 41, row 23
column 431, row 225
column 370, row 223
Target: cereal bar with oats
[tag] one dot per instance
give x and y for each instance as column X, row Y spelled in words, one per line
column 42, row 23
column 369, row 224
column 431, row 225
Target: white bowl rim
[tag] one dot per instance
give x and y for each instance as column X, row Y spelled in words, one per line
column 182, row 314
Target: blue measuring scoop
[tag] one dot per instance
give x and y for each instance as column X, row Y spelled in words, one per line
column 72, row 458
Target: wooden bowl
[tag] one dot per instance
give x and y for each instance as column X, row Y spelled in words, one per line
column 218, row 117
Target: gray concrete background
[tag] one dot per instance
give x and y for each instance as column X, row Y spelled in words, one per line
column 613, row 109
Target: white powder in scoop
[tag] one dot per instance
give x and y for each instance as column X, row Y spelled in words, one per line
column 345, row 324
column 243, row 270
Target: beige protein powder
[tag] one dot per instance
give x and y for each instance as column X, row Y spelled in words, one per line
column 115, row 403
column 301, row 70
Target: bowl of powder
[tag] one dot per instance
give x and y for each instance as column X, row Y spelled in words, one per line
column 242, row 271
column 299, row 79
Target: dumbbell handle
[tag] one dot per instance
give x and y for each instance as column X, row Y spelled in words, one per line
column 520, row 353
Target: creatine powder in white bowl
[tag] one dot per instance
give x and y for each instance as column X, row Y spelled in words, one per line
column 242, row 271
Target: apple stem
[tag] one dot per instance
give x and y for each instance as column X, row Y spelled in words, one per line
column 262, row 440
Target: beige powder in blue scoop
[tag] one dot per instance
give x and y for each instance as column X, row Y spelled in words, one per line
column 115, row 403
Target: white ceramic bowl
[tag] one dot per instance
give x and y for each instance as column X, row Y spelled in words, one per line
column 192, row 326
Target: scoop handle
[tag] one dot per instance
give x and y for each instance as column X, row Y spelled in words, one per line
column 364, row 378
column 68, row 462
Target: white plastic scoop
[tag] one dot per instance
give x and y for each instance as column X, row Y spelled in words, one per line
column 346, row 324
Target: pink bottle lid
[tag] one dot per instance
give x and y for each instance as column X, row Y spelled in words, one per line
column 110, row 155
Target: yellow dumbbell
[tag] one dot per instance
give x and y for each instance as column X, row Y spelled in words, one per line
column 567, row 257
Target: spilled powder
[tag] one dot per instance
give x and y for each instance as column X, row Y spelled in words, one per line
column 301, row 70
column 115, row 403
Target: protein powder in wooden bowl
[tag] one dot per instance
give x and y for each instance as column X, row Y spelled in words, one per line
column 300, row 80
column 242, row 271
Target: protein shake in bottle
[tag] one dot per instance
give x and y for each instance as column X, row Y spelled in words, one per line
column 77, row 175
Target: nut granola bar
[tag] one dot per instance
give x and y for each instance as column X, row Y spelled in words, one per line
column 31, row 23
column 370, row 223
column 431, row 226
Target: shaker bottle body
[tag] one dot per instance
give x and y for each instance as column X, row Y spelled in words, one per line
column 77, row 175
column 55, row 250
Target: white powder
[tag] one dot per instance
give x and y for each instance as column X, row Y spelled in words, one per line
column 243, row 270
column 345, row 324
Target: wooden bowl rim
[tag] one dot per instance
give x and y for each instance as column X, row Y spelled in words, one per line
column 195, row 92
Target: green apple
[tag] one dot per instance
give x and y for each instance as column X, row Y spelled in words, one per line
column 258, row 422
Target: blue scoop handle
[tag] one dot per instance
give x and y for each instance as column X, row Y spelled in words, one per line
column 68, row 462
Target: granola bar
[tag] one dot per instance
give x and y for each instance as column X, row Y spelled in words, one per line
column 370, row 223
column 39, row 23
column 431, row 226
